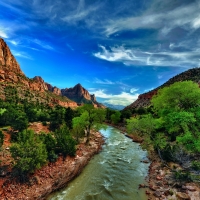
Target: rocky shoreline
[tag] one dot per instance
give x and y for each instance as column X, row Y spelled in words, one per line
column 161, row 184
column 53, row 176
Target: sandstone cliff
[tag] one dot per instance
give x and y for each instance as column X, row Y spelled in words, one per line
column 144, row 99
column 7, row 61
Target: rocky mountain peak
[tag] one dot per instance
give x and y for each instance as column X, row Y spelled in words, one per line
column 79, row 94
column 76, row 92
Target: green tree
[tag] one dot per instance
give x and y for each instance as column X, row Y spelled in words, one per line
column 147, row 127
column 69, row 115
column 92, row 118
column 115, row 118
column 78, row 127
column 57, row 118
column 179, row 108
column 29, row 153
column 20, row 123
column 64, row 142
column 50, row 144
column 180, row 96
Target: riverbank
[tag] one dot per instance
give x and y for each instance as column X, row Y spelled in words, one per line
column 161, row 183
column 163, row 186
column 53, row 176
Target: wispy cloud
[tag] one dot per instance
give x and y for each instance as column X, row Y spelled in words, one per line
column 80, row 13
column 43, row 44
column 3, row 34
column 4, row 31
column 115, row 54
column 103, row 82
column 179, row 16
column 70, row 47
column 132, row 57
column 21, row 54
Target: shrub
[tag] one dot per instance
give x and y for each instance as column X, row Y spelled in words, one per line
column 196, row 165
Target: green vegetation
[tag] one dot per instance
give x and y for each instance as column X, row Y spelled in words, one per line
column 171, row 124
column 29, row 153
column 29, row 150
column 90, row 118
column 65, row 144
column 115, row 117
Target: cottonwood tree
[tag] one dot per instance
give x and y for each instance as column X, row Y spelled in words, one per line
column 91, row 118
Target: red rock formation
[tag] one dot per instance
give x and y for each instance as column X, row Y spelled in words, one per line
column 77, row 92
column 7, row 60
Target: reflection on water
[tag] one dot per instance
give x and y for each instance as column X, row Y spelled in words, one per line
column 113, row 174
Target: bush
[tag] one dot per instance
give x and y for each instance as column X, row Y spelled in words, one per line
column 64, row 142
column 182, row 176
column 44, row 123
column 28, row 154
column 196, row 165
column 50, row 144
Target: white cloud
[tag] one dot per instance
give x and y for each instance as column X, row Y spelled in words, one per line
column 123, row 98
column 115, row 54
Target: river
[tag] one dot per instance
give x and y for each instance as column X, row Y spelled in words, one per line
column 113, row 174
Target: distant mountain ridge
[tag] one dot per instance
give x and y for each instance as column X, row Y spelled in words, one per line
column 12, row 75
column 114, row 107
column 145, row 98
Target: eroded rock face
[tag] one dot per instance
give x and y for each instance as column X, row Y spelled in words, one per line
column 77, row 92
column 7, row 60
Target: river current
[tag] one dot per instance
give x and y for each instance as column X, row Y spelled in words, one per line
column 113, row 174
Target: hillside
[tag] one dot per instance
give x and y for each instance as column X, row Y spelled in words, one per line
column 36, row 89
column 145, row 98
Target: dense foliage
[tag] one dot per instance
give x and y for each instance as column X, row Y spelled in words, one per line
column 172, row 125
column 29, row 153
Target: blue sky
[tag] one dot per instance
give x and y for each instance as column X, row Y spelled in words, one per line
column 115, row 49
